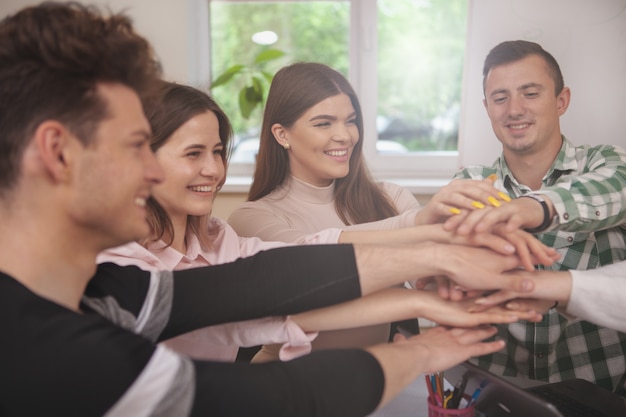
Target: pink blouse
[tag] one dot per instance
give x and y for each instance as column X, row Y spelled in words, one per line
column 221, row 342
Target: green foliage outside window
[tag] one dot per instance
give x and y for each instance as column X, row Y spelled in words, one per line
column 421, row 47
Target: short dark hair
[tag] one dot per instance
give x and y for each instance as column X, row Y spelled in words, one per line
column 52, row 58
column 511, row 51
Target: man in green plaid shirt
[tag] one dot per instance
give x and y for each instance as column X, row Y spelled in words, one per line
column 572, row 198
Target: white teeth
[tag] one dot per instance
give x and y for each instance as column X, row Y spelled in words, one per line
column 523, row 126
column 202, row 188
column 337, row 153
column 141, row 202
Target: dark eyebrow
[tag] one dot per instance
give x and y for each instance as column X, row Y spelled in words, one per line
column 520, row 88
column 530, row 85
column 145, row 134
column 195, row 146
column 322, row 117
column 500, row 91
column 328, row 117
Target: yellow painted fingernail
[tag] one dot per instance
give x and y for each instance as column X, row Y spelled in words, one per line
column 492, row 177
column 504, row 196
column 493, row 201
column 455, row 210
column 478, row 204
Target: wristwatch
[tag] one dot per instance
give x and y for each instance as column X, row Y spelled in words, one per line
column 546, row 213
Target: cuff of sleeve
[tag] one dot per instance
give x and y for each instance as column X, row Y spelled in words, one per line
column 298, row 341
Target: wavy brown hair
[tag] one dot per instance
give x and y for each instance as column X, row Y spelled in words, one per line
column 52, row 58
column 295, row 89
column 167, row 109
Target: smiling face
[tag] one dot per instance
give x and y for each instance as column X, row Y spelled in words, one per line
column 523, row 108
column 115, row 173
column 192, row 161
column 321, row 141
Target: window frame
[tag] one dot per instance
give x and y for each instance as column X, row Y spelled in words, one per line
column 421, row 173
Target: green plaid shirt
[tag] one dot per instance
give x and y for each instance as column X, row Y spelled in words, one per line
column 587, row 186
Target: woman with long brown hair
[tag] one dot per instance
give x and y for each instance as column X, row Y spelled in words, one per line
column 311, row 175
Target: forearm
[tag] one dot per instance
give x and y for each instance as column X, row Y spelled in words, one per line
column 328, row 383
column 552, row 286
column 383, row 266
column 413, row 234
column 472, row 268
column 276, row 282
column 401, row 364
column 593, row 198
column 383, row 306
column 598, row 295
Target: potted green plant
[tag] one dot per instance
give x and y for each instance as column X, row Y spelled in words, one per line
column 254, row 80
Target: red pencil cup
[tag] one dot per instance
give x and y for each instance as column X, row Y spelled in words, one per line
column 436, row 411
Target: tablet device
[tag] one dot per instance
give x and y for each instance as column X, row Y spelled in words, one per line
column 502, row 398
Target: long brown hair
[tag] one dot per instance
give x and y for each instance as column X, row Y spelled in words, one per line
column 295, row 89
column 170, row 107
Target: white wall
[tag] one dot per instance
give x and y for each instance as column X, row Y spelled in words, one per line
column 587, row 38
column 163, row 22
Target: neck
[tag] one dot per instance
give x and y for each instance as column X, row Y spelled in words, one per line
column 44, row 255
column 529, row 169
column 180, row 229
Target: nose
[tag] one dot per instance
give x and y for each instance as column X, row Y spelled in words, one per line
column 212, row 166
column 344, row 133
column 516, row 106
column 153, row 172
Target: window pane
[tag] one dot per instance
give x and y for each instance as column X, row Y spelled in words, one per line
column 421, row 46
column 304, row 31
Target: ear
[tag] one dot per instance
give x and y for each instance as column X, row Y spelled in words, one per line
column 280, row 134
column 485, row 104
column 53, row 142
column 563, row 100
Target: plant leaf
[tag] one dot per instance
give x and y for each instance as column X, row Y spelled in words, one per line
column 247, row 101
column 257, row 85
column 268, row 76
column 226, row 76
column 268, row 55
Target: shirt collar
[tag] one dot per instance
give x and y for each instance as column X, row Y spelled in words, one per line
column 564, row 162
column 303, row 191
column 171, row 258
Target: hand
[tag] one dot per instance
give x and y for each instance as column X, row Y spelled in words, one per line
column 466, row 314
column 480, row 269
column 443, row 348
column 511, row 301
column 528, row 248
column 550, row 286
column 461, row 194
column 519, row 213
column 432, row 351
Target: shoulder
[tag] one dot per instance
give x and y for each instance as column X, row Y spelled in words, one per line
column 130, row 254
column 476, row 172
column 583, row 158
column 601, row 151
column 120, row 282
column 396, row 192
